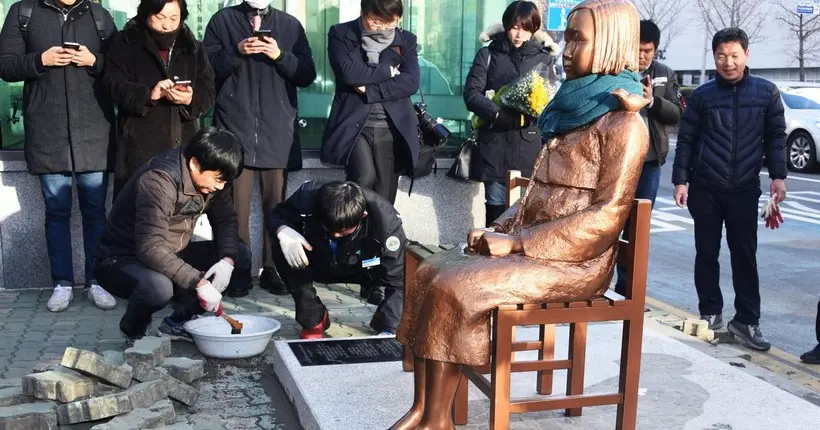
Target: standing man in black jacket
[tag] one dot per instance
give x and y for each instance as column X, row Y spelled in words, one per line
column 729, row 124
column 660, row 87
column 57, row 47
column 372, row 129
column 339, row 232
column 260, row 56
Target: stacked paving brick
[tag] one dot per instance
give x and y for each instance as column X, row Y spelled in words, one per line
column 130, row 390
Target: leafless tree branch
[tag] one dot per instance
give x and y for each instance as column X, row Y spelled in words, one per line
column 666, row 14
column 745, row 14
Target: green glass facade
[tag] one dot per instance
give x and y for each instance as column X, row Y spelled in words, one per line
column 448, row 34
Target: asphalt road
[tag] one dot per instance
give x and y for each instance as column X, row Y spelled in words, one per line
column 788, row 261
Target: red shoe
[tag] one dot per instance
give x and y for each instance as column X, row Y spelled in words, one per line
column 317, row 331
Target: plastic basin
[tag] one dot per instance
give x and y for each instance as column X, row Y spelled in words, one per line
column 212, row 335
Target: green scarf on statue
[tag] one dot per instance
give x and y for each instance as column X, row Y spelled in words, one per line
column 581, row 101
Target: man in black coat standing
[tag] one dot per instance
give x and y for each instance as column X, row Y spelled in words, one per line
column 373, row 129
column 260, row 56
column 338, row 232
column 729, row 124
column 57, row 48
column 660, row 87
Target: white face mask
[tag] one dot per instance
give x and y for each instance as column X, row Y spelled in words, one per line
column 258, row 4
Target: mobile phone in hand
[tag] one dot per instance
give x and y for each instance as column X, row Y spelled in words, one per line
column 71, row 45
column 182, row 84
column 261, row 33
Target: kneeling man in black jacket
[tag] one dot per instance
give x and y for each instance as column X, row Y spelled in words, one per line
column 338, row 232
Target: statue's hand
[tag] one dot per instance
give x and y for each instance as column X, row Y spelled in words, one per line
column 475, row 235
column 499, row 245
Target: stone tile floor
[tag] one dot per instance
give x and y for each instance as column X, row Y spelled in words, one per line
column 235, row 394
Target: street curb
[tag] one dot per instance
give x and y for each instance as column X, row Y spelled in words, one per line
column 777, row 361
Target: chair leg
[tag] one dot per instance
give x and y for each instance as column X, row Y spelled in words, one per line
column 547, row 338
column 627, row 415
column 577, row 356
column 501, row 373
column 460, row 405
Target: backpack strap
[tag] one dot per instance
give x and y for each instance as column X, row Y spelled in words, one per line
column 99, row 19
column 24, row 14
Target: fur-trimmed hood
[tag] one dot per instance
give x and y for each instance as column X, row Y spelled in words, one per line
column 539, row 35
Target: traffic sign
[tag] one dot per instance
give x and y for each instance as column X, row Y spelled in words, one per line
column 558, row 13
column 807, row 10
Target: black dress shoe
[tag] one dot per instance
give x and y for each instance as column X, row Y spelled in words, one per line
column 237, row 292
column 270, row 281
column 813, row 356
column 376, row 296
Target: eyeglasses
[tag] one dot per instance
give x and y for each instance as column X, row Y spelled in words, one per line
column 378, row 24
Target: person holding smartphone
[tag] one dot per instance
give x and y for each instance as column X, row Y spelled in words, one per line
column 260, row 57
column 160, row 77
column 68, row 125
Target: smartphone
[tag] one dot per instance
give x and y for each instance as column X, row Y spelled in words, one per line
column 261, row 33
column 645, row 80
column 71, row 45
column 184, row 84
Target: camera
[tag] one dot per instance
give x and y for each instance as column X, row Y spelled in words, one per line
column 431, row 129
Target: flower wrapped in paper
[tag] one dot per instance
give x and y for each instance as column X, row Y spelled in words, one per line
column 529, row 94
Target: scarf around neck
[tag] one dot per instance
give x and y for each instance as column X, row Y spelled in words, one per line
column 376, row 41
column 580, row 101
column 164, row 40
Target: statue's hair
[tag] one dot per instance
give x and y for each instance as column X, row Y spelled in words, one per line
column 617, row 35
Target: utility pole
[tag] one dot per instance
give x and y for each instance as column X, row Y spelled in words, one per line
column 800, row 55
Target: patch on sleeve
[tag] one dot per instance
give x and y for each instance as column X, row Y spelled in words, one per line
column 392, row 243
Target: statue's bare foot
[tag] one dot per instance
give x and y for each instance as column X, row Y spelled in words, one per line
column 409, row 421
column 437, row 426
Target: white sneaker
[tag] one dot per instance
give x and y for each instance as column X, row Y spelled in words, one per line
column 101, row 298
column 60, row 298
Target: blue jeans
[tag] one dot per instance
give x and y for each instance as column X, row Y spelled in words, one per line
column 92, row 189
column 647, row 189
column 495, row 193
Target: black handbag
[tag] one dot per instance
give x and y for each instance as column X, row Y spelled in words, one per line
column 460, row 170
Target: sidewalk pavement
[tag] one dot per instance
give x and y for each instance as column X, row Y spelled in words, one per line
column 239, row 394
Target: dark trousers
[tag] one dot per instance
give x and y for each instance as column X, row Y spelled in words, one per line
column 92, row 190
column 647, row 189
column 272, row 186
column 148, row 291
column 310, row 309
column 817, row 323
column 373, row 161
column 711, row 209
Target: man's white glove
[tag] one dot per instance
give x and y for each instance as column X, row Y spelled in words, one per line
column 293, row 246
column 221, row 271
column 209, row 298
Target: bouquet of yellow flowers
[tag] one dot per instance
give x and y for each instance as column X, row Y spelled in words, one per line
column 529, row 94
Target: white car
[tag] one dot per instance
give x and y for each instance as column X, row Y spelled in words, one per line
column 801, row 101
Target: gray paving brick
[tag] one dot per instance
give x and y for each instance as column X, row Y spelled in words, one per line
column 10, row 396
column 61, row 386
column 96, row 408
column 149, row 350
column 97, row 365
column 184, row 369
column 30, row 416
column 159, row 414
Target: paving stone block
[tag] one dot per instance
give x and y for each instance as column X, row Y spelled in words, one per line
column 64, row 387
column 97, row 365
column 29, row 416
column 181, row 391
column 95, row 408
column 159, row 414
column 145, row 373
column 46, row 365
column 115, row 357
column 10, row 396
column 142, row 395
column 184, row 369
column 145, row 394
column 150, row 350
